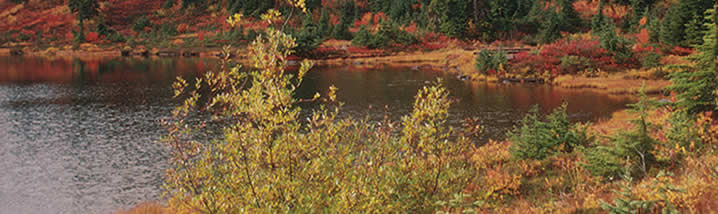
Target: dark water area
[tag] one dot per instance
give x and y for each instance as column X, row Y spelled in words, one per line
column 81, row 136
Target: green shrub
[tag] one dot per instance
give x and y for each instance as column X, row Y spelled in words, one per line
column 168, row 4
column 651, row 60
column 490, row 60
column 602, row 161
column 388, row 34
column 140, row 24
column 573, row 64
column 308, row 37
column 617, row 45
column 116, row 38
column 633, row 149
column 536, row 139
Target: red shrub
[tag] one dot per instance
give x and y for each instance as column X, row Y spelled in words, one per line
column 365, row 20
column 411, row 28
column 681, row 51
column 200, row 35
column 92, row 37
column 565, row 57
column 182, row 28
column 379, row 16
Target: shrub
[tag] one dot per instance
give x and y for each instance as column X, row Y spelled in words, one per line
column 489, row 61
column 618, row 46
column 536, row 139
column 634, row 149
column 576, row 55
column 140, row 24
column 602, row 161
column 388, row 34
column 270, row 161
column 116, row 38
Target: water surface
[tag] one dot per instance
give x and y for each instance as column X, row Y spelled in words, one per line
column 80, row 136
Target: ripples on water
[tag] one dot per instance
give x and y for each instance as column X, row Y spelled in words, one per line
column 80, row 136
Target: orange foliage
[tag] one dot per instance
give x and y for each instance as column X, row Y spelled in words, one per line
column 499, row 183
column 643, row 36
column 379, row 17
column 588, row 8
column 182, row 28
column 365, row 20
column 411, row 28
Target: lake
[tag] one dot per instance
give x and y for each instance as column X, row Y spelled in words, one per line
column 80, row 136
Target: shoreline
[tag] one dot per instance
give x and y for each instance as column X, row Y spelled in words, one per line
column 453, row 60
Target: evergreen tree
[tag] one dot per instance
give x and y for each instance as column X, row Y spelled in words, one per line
column 568, row 16
column 618, row 45
column 599, row 19
column 696, row 89
column 324, row 28
column 348, row 13
column 85, row 9
column 673, row 30
column 694, row 31
column 550, row 29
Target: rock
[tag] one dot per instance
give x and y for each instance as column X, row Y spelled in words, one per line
column 166, row 53
column 462, row 77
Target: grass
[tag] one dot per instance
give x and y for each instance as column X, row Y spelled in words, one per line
column 612, row 84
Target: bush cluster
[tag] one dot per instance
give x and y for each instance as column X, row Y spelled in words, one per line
column 387, row 35
column 537, row 139
column 488, row 62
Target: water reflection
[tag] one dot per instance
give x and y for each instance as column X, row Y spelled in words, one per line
column 79, row 136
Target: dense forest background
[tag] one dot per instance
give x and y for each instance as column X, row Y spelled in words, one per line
column 372, row 23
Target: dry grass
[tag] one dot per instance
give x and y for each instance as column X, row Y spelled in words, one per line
column 148, row 208
column 454, row 60
column 612, row 84
column 618, row 121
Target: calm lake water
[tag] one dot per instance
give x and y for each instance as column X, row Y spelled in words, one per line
column 80, row 136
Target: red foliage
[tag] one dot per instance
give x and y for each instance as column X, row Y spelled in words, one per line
column 643, row 36
column 334, row 19
column 200, row 35
column 92, row 37
column 378, row 17
column 182, row 28
column 365, row 20
column 681, row 51
column 411, row 28
column 550, row 56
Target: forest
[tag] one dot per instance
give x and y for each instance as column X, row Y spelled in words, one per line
column 659, row 156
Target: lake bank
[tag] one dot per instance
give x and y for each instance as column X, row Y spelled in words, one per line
column 453, row 59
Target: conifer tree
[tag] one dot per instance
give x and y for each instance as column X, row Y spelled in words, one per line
column 85, row 9
column 696, row 89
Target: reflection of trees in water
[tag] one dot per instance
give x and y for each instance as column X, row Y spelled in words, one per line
column 86, row 70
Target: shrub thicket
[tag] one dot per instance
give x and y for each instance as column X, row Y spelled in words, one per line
column 268, row 160
column 489, row 61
